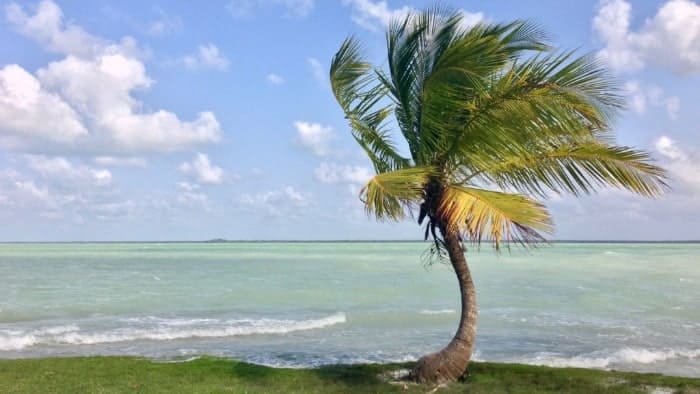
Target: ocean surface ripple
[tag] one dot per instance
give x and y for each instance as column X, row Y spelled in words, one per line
column 628, row 306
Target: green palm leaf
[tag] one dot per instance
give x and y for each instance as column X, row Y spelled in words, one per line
column 489, row 105
column 578, row 168
column 354, row 85
column 543, row 100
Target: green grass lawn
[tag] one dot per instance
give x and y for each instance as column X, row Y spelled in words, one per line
column 211, row 375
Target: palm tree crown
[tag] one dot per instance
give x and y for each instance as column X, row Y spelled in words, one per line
column 493, row 118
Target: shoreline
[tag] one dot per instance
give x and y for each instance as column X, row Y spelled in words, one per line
column 475, row 359
column 209, row 374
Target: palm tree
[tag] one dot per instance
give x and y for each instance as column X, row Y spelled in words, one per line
column 493, row 119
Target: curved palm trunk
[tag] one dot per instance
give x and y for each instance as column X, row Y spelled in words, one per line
column 451, row 362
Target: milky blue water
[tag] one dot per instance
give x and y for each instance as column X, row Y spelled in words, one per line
column 617, row 306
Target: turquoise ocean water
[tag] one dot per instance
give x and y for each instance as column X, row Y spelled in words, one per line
column 618, row 306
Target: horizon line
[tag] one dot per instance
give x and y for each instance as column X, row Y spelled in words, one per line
column 222, row 240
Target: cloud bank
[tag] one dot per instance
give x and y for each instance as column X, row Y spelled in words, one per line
column 85, row 101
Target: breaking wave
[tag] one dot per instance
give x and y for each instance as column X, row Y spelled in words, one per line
column 619, row 357
column 158, row 329
column 437, row 311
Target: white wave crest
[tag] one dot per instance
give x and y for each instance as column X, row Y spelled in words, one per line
column 56, row 330
column 18, row 339
column 437, row 311
column 645, row 356
column 164, row 329
column 16, row 342
column 621, row 356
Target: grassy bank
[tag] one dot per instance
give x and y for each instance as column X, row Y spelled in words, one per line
column 210, row 375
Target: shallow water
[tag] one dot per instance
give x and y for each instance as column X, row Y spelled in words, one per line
column 622, row 306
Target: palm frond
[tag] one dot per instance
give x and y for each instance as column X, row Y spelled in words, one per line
column 578, row 168
column 483, row 214
column 463, row 79
column 546, row 99
column 360, row 95
column 387, row 195
column 493, row 105
column 522, row 35
column 403, row 44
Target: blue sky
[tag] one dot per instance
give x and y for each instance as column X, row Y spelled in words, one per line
column 180, row 121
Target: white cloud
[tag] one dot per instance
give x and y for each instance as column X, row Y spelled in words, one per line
column 65, row 191
column 27, row 109
column 188, row 187
column 298, row 7
column 314, row 137
column 201, row 169
column 47, row 27
column 284, row 202
column 318, row 71
column 274, row 79
column 112, row 161
column 620, row 214
column 164, row 25
column 612, row 24
column 55, row 188
column 470, row 19
column 670, row 39
column 336, row 173
column 240, row 8
column 192, row 198
column 207, row 56
column 60, row 170
column 246, row 8
column 683, row 165
column 191, row 195
column 113, row 210
column 101, row 89
column 84, row 102
column 643, row 96
column 673, row 105
column 639, row 96
column 30, row 189
column 297, row 199
column 375, row 15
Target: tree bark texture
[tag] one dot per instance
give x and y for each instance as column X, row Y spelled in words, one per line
column 451, row 362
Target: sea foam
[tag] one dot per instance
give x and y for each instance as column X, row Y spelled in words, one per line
column 618, row 357
column 437, row 311
column 158, row 329
column 8, row 342
column 19, row 339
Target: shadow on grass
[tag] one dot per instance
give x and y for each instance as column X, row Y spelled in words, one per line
column 351, row 376
column 253, row 372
